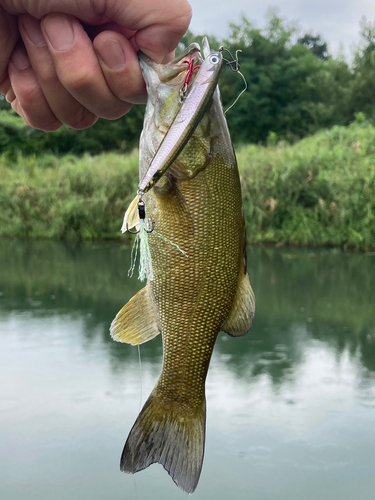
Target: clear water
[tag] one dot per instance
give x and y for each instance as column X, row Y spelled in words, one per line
column 291, row 406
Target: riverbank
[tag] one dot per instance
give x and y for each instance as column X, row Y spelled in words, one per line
column 319, row 191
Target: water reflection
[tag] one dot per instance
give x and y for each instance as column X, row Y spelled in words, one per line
column 295, row 397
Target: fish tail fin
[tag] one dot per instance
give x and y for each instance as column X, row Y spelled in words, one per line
column 170, row 434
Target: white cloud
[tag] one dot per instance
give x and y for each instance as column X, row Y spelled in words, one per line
column 337, row 21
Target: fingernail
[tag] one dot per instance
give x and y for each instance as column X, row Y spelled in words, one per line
column 112, row 54
column 20, row 59
column 59, row 31
column 33, row 31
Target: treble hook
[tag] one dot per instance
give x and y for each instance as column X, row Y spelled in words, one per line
column 142, row 217
column 191, row 69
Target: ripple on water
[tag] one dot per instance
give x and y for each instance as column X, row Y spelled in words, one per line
column 272, row 357
column 81, row 397
column 281, row 347
column 366, row 397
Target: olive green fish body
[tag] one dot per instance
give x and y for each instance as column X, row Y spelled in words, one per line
column 197, row 206
column 195, row 293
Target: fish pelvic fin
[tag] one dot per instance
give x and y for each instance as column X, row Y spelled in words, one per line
column 241, row 316
column 169, row 434
column 131, row 217
column 137, row 321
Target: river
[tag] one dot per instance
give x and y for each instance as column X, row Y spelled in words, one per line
column 291, row 406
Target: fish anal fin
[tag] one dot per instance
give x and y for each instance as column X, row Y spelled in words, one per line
column 242, row 313
column 136, row 322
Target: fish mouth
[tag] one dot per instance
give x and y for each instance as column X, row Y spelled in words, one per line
column 188, row 53
column 174, row 71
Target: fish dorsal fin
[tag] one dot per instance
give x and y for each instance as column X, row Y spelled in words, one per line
column 136, row 322
column 131, row 218
column 242, row 313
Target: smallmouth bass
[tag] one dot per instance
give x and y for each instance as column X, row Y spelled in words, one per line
column 197, row 205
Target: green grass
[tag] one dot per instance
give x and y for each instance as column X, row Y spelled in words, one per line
column 66, row 198
column 319, row 191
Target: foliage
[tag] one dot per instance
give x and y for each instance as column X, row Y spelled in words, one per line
column 317, row 191
column 120, row 135
column 3, row 103
column 315, row 44
column 362, row 96
column 67, row 198
column 292, row 90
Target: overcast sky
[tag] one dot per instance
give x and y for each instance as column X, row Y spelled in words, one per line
column 337, row 21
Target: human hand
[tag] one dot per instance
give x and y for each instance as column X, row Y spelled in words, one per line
column 69, row 62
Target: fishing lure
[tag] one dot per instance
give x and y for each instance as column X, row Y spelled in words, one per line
column 194, row 104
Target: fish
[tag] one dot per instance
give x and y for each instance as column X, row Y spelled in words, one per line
column 193, row 295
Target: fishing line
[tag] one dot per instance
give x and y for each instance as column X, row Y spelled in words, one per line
column 140, row 376
column 164, row 238
column 234, row 65
column 135, row 486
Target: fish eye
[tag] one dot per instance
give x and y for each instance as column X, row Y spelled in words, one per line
column 214, row 59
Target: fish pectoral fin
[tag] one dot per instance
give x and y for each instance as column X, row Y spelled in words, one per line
column 242, row 313
column 131, row 217
column 172, row 201
column 136, row 322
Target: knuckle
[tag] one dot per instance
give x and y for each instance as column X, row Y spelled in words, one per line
column 116, row 112
column 43, row 123
column 52, row 126
column 35, row 110
column 28, row 98
column 80, row 81
column 82, row 120
column 47, row 76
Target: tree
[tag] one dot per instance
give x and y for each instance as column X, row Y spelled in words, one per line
column 315, row 44
column 291, row 91
column 363, row 90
